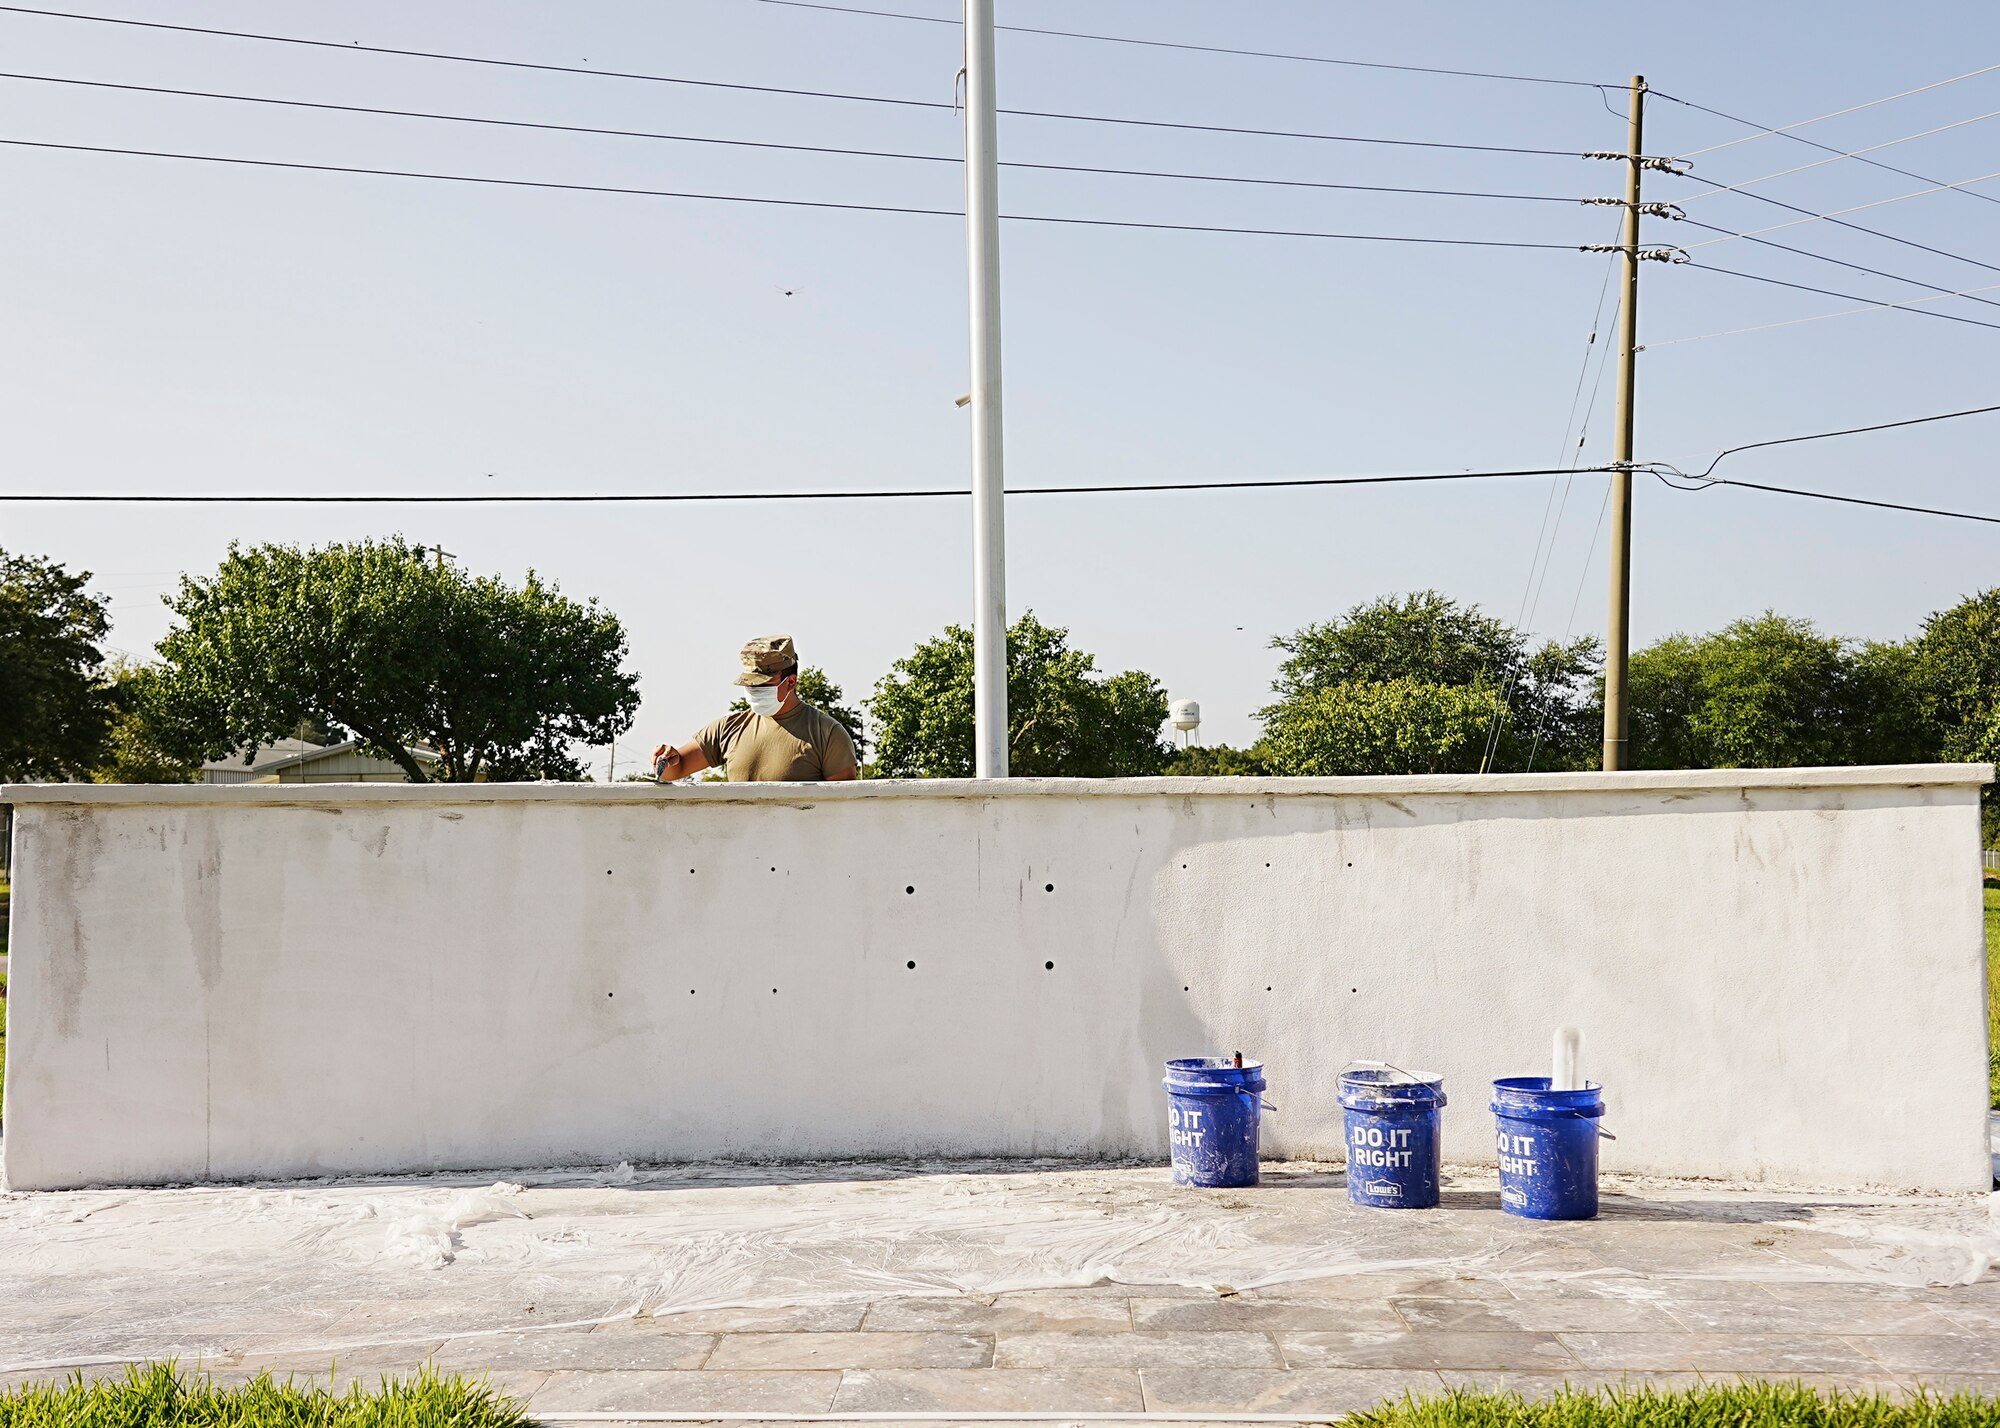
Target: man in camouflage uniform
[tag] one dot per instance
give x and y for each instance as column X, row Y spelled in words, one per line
column 778, row 739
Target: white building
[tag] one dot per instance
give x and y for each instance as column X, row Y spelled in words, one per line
column 297, row 761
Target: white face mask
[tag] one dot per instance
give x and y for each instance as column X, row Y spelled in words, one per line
column 763, row 699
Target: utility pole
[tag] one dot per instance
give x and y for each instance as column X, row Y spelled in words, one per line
column 1618, row 628
column 989, row 487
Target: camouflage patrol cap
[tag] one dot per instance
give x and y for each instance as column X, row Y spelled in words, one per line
column 766, row 660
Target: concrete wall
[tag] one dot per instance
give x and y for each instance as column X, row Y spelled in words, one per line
column 1779, row 973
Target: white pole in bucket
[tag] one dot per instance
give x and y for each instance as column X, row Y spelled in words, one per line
column 1566, row 1068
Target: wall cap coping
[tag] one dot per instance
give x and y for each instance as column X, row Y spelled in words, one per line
column 1668, row 781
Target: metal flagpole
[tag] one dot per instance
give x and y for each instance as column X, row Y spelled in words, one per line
column 989, row 535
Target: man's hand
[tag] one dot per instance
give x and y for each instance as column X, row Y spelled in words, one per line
column 671, row 764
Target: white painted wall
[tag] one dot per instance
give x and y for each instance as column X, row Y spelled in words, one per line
column 1779, row 973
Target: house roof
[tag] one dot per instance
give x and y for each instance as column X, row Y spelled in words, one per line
column 313, row 753
column 262, row 754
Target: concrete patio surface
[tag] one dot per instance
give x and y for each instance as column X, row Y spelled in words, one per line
column 962, row 1290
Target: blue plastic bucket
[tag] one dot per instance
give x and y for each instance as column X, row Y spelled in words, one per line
column 1548, row 1148
column 1395, row 1153
column 1213, row 1107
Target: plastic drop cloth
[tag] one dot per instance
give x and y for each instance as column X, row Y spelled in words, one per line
column 331, row 1267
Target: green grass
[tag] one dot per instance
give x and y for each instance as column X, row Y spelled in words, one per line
column 1774, row 1405
column 161, row 1396
column 5, row 906
column 1993, row 990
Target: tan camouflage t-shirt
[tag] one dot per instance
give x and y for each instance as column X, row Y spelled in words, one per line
column 804, row 746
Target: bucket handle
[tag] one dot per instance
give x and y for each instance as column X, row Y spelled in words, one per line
column 1253, row 1096
column 1385, row 1065
column 1561, row 1113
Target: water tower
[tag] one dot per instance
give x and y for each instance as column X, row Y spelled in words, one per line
column 1186, row 716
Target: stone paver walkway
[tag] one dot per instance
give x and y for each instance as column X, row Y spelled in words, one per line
column 992, row 1290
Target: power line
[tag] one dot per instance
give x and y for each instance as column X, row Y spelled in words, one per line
column 766, row 144
column 1815, row 144
column 501, row 498
column 1583, row 575
column 1844, row 431
column 1705, row 479
column 1199, row 49
column 780, row 89
column 543, row 499
column 1786, row 129
column 1848, row 154
column 1821, row 317
column 1564, row 456
column 1851, row 297
column 785, row 202
column 1834, row 218
column 1845, row 500
column 1730, row 235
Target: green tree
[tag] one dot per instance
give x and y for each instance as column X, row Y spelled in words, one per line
column 816, row 689
column 1771, row 692
column 1215, row 761
column 380, row 640
column 1957, row 671
column 1541, row 707
column 1064, row 719
column 1955, row 664
column 132, row 751
column 1886, row 700
column 53, row 703
column 1424, row 637
column 1396, row 726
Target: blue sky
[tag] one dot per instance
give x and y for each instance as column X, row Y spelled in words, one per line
column 174, row 326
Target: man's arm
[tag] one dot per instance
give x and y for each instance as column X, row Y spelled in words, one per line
column 838, row 758
column 682, row 762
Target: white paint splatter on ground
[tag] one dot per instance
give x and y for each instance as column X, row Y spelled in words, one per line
column 97, row 1275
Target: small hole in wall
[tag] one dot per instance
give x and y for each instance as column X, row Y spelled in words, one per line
column 690, row 870
column 1354, row 989
column 611, row 994
column 1350, row 865
column 1048, row 966
column 690, row 991
column 1049, row 887
column 911, row 965
column 774, row 870
column 774, row 991
column 607, row 872
column 911, row 889
column 1186, row 989
column 1267, row 989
